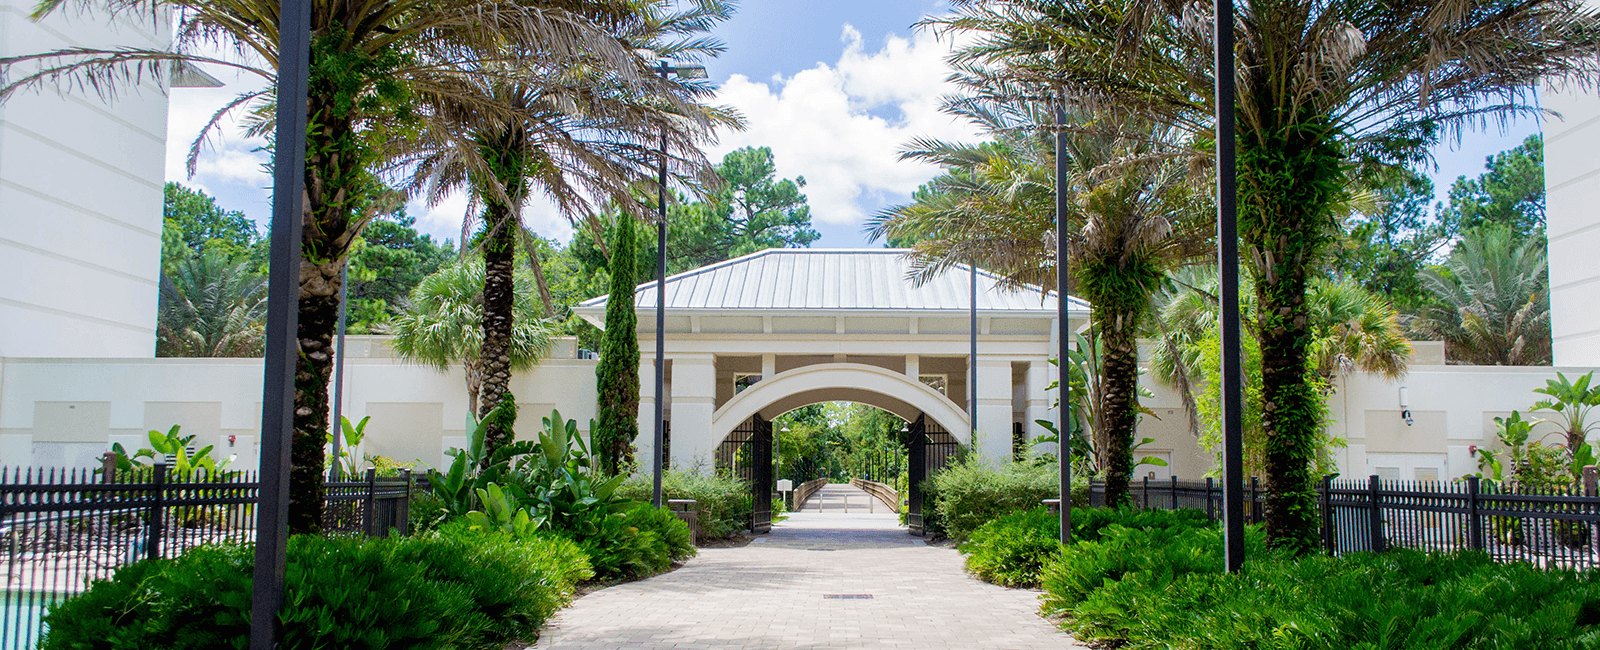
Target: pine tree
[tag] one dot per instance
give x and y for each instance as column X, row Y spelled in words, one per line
column 618, row 374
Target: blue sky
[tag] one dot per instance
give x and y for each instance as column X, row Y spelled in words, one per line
column 833, row 86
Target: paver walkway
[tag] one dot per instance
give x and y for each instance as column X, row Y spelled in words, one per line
column 772, row 595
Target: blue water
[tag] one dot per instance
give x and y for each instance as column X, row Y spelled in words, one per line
column 20, row 627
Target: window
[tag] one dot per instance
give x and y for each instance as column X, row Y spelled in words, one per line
column 742, row 381
column 939, row 383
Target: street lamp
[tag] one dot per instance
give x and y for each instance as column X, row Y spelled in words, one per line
column 682, row 71
column 1228, row 260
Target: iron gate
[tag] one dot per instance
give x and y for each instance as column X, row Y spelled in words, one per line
column 747, row 454
column 932, row 448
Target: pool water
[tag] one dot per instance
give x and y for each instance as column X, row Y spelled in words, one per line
column 20, row 626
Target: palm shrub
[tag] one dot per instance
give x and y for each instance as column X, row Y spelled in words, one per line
column 1491, row 300
column 1324, row 90
column 454, row 590
column 212, row 305
column 444, row 326
column 1012, row 549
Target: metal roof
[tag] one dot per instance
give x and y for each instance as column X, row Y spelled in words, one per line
column 794, row 279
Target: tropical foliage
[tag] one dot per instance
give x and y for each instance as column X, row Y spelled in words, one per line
column 212, row 305
column 1324, row 90
column 1352, row 330
column 1134, row 213
column 1492, row 300
column 445, row 325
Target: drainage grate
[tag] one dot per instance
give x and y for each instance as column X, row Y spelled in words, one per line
column 822, row 549
column 847, row 596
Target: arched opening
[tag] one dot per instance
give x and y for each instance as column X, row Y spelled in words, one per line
column 814, row 443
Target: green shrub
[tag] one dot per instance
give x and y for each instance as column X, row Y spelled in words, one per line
column 638, row 543
column 1012, row 549
column 722, row 502
column 453, row 590
column 965, row 495
column 1163, row 587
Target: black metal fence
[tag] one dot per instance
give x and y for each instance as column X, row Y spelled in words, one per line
column 61, row 528
column 1554, row 528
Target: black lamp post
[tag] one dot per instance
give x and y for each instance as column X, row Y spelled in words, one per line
column 1228, row 259
column 282, row 346
column 1063, row 331
column 682, row 71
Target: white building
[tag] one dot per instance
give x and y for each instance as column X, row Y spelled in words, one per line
column 80, row 197
column 1572, row 192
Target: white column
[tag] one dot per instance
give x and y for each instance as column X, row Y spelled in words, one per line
column 914, row 367
column 769, row 365
column 694, row 390
column 644, row 446
column 993, row 421
column 1038, row 400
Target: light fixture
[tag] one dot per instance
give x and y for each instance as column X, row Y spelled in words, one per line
column 1405, row 406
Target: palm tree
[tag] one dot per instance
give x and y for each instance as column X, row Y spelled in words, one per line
column 444, row 326
column 1134, row 215
column 372, row 63
column 1493, row 300
column 212, row 306
column 1323, row 87
column 1352, row 330
column 574, row 136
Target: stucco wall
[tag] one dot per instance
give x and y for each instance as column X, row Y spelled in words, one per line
column 66, row 412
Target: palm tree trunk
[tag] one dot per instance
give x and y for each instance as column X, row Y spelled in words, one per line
column 1118, row 399
column 334, row 174
column 1289, row 177
column 499, row 251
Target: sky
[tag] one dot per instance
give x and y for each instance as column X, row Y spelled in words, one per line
column 834, row 87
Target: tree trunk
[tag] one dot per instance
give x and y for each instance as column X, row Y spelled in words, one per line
column 499, row 294
column 334, row 177
column 1118, row 399
column 1290, row 174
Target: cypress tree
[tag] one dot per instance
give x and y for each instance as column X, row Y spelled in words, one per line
column 618, row 373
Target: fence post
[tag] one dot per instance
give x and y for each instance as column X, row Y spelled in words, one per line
column 367, row 503
column 1211, row 508
column 1328, row 541
column 158, row 513
column 1146, row 492
column 1255, row 500
column 1174, row 492
column 108, row 467
column 1474, row 522
column 403, row 510
column 1375, row 513
column 1591, row 488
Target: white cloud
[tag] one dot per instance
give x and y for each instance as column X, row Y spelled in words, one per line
column 828, row 123
column 841, row 126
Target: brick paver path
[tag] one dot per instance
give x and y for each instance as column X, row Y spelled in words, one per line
column 771, row 595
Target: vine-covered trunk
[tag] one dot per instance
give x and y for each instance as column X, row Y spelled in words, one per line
column 1118, row 399
column 334, row 186
column 1290, row 175
column 499, row 294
